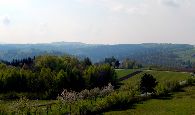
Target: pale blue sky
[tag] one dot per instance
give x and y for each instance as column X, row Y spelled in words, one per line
column 97, row 21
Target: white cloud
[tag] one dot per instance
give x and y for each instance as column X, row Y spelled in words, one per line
column 116, row 8
column 13, row 2
column 6, row 21
column 139, row 9
column 128, row 7
column 174, row 3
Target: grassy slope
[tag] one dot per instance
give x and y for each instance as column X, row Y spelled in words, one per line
column 168, row 75
column 161, row 77
column 123, row 72
column 181, row 103
column 155, row 106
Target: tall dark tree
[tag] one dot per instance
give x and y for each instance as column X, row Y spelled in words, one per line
column 117, row 64
column 110, row 61
column 87, row 62
column 148, row 83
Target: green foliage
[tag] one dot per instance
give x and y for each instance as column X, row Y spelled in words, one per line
column 117, row 64
column 99, row 75
column 179, row 103
column 130, row 64
column 191, row 80
column 168, row 55
column 166, row 87
column 163, row 78
column 87, row 62
column 111, row 61
column 148, row 83
column 91, row 101
column 49, row 75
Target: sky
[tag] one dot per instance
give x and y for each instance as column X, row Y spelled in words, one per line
column 97, row 21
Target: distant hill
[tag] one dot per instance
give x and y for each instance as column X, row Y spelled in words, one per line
column 170, row 55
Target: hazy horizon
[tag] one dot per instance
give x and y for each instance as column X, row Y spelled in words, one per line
column 97, row 21
column 3, row 43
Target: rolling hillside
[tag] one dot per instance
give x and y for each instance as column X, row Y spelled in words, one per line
column 170, row 55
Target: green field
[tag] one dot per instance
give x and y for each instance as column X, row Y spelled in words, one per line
column 123, row 72
column 176, row 105
column 180, row 103
column 161, row 76
column 169, row 75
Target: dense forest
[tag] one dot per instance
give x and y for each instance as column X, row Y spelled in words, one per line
column 169, row 55
column 44, row 77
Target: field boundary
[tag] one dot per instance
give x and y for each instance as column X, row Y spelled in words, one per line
column 130, row 75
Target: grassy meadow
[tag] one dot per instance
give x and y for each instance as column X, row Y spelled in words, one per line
column 179, row 103
column 123, row 72
column 161, row 76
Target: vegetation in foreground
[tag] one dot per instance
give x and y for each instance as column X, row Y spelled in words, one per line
column 124, row 97
column 177, row 103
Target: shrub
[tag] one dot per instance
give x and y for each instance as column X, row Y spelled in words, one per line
column 99, row 76
column 107, row 90
column 72, row 96
column 167, row 86
column 191, row 81
column 69, row 97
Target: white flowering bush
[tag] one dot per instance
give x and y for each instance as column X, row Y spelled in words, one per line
column 69, row 96
column 72, row 96
column 107, row 90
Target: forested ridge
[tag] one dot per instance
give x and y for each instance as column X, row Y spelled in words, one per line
column 169, row 55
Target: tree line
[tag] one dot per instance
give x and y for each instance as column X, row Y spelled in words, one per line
column 123, row 64
column 46, row 76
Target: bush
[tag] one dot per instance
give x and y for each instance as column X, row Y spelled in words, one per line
column 166, row 87
column 72, row 96
column 191, row 81
column 99, row 76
